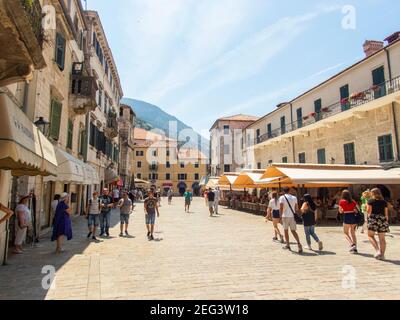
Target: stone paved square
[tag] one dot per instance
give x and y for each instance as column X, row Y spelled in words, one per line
column 231, row 256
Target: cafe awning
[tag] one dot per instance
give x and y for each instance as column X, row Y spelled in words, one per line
column 70, row 169
column 228, row 179
column 23, row 148
column 329, row 175
column 248, row 178
column 91, row 175
column 111, row 176
column 212, row 183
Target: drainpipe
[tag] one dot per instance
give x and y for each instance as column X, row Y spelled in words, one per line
column 396, row 130
column 395, row 126
column 293, row 150
column 389, row 64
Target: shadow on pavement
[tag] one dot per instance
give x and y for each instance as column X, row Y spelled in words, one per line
column 21, row 278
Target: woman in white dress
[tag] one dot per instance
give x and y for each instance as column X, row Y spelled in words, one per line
column 22, row 223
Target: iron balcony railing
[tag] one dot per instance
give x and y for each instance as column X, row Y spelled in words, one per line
column 34, row 14
column 354, row 101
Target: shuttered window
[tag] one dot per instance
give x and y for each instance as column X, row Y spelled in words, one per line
column 55, row 119
column 302, row 158
column 385, row 148
column 70, row 133
column 60, row 51
column 349, row 154
column 321, row 156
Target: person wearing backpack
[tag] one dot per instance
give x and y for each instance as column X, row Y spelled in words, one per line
column 288, row 209
column 93, row 215
column 125, row 206
column 309, row 216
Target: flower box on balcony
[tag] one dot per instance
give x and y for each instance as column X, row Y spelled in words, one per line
column 375, row 88
column 326, row 109
column 357, row 96
column 344, row 101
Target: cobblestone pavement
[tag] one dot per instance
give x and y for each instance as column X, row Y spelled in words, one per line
column 196, row 257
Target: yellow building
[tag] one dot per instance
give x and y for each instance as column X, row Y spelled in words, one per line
column 164, row 164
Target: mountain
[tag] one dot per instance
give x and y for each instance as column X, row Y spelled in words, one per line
column 151, row 117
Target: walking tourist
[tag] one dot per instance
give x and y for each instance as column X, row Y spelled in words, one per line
column 106, row 204
column 158, row 196
column 62, row 223
column 150, row 208
column 206, row 197
column 366, row 196
column 211, row 199
column 216, row 200
column 274, row 215
column 93, row 215
column 126, row 208
column 309, row 215
column 22, row 223
column 54, row 204
column 116, row 195
column 170, row 194
column 9, row 213
column 288, row 208
column 378, row 222
column 348, row 208
column 188, row 199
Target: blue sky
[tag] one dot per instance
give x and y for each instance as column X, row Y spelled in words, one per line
column 203, row 59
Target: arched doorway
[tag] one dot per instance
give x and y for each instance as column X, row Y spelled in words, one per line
column 182, row 187
column 196, row 189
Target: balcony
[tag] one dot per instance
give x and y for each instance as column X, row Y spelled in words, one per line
column 355, row 100
column 21, row 29
column 111, row 129
column 83, row 94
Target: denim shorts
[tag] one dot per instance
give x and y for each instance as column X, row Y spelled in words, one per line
column 124, row 218
column 350, row 218
column 276, row 214
column 93, row 220
column 151, row 218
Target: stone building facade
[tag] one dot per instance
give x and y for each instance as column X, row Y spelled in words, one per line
column 103, row 148
column 126, row 124
column 162, row 163
column 352, row 118
column 227, row 145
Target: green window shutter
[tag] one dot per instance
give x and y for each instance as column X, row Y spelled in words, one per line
column 321, row 156
column 60, row 51
column 386, row 148
column 70, row 133
column 285, row 160
column 55, row 119
column 349, row 154
column 302, row 157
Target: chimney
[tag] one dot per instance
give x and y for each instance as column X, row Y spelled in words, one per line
column 392, row 38
column 372, row 46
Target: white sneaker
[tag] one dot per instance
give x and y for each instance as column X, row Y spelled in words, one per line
column 377, row 256
column 309, row 248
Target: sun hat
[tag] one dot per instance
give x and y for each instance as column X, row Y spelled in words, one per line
column 64, row 196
